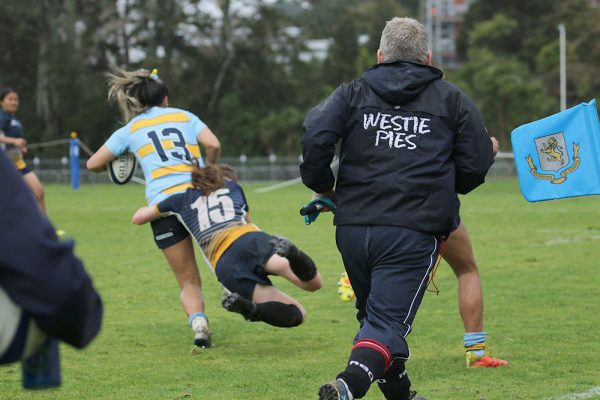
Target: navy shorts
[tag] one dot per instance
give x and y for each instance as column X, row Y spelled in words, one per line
column 168, row 231
column 241, row 267
column 389, row 269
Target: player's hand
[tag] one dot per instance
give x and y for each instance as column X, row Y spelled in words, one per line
column 21, row 144
column 330, row 194
column 495, row 145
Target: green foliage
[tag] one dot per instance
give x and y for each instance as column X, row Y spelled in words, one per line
column 537, row 262
column 245, row 67
column 511, row 51
column 496, row 83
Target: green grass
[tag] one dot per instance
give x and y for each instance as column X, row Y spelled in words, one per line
column 538, row 265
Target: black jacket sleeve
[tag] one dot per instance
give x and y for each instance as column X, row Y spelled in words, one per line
column 472, row 153
column 40, row 273
column 323, row 127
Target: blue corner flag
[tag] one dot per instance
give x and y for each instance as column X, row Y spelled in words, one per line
column 559, row 156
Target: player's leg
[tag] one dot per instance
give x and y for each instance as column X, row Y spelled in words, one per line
column 243, row 270
column 36, row 187
column 282, row 266
column 396, row 262
column 268, row 305
column 299, row 262
column 460, row 257
column 174, row 240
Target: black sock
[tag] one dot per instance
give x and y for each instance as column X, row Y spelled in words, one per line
column 278, row 314
column 364, row 366
column 394, row 384
column 302, row 265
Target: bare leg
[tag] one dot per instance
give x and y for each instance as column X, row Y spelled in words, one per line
column 459, row 254
column 37, row 188
column 264, row 294
column 181, row 258
column 278, row 265
column 270, row 305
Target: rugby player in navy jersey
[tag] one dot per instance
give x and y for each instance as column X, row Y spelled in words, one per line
column 215, row 212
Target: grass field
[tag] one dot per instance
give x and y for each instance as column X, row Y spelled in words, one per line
column 539, row 267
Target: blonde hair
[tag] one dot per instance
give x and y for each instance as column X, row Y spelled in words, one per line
column 135, row 91
column 404, row 38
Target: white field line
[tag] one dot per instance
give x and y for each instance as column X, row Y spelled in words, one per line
column 593, row 392
column 279, row 185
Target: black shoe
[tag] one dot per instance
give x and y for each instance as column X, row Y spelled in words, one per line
column 413, row 396
column 334, row 390
column 235, row 303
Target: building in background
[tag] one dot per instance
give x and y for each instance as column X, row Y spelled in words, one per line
column 443, row 20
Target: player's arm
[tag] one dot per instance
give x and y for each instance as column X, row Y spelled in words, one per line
column 166, row 207
column 323, row 127
column 473, row 152
column 145, row 214
column 212, row 146
column 98, row 161
column 19, row 142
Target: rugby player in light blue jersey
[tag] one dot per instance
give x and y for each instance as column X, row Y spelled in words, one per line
column 164, row 141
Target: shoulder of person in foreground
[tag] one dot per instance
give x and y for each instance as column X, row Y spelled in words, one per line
column 39, row 272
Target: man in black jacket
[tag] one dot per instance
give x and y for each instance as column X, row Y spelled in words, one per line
column 44, row 289
column 409, row 142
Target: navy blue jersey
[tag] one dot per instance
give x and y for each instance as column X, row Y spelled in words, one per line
column 10, row 125
column 39, row 272
column 215, row 221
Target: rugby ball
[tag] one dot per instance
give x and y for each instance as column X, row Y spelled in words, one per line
column 121, row 169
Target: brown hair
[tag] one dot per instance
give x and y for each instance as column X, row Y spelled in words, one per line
column 208, row 178
column 228, row 172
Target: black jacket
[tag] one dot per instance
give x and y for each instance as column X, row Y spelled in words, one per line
column 40, row 273
column 409, row 142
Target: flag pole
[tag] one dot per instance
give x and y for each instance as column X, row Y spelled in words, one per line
column 563, row 66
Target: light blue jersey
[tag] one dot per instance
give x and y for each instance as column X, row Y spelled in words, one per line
column 164, row 140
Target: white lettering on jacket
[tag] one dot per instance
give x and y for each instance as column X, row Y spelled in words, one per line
column 396, row 131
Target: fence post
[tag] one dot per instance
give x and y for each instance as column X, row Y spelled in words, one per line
column 74, row 160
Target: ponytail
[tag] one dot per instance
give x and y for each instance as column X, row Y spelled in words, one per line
column 135, row 91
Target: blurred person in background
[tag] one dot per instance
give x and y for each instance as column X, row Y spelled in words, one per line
column 11, row 137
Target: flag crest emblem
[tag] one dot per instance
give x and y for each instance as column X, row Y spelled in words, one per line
column 559, row 156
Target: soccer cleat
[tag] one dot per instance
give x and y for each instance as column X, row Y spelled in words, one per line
column 202, row 334
column 345, row 290
column 485, row 361
column 235, row 303
column 334, row 390
column 284, row 247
